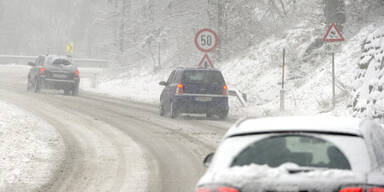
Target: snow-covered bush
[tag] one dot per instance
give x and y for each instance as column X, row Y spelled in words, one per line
column 368, row 101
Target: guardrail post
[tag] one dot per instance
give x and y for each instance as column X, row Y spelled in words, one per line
column 240, row 96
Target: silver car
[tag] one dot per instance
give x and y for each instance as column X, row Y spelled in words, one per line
column 298, row 154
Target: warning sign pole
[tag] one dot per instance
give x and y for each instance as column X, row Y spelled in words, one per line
column 333, row 81
column 333, row 35
column 282, row 91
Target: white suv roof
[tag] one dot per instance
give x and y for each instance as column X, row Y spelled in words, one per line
column 321, row 124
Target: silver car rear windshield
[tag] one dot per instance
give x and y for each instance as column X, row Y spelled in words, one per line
column 304, row 149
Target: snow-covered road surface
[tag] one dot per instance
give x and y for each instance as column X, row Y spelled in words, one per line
column 28, row 147
column 117, row 145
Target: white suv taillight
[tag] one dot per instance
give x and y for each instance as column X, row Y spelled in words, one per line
column 219, row 189
column 362, row 189
column 376, row 189
column 352, row 189
column 179, row 89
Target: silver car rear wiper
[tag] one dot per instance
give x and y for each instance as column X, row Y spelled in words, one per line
column 303, row 169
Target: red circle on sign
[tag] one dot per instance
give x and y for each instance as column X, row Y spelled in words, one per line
column 197, row 40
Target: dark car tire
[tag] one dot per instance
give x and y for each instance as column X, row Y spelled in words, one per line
column 75, row 90
column 223, row 115
column 209, row 115
column 162, row 111
column 173, row 111
column 67, row 91
column 29, row 85
column 37, row 85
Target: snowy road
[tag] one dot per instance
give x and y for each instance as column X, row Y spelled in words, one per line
column 117, row 145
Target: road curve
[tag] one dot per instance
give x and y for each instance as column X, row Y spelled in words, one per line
column 117, row 145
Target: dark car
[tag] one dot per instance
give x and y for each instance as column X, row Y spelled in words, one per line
column 195, row 90
column 322, row 154
column 53, row 72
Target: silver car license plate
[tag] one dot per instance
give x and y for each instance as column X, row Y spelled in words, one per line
column 204, row 99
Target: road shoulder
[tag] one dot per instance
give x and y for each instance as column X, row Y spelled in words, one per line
column 32, row 150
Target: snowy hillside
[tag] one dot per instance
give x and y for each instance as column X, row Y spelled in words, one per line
column 308, row 81
column 368, row 98
column 257, row 71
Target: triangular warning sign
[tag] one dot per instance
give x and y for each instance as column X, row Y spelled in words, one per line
column 333, row 34
column 205, row 61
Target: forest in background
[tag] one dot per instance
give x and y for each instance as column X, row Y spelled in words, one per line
column 159, row 33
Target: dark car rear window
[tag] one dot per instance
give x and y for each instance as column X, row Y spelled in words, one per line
column 203, row 77
column 61, row 62
column 305, row 151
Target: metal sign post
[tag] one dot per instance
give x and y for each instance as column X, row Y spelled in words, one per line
column 333, row 81
column 333, row 35
column 282, row 91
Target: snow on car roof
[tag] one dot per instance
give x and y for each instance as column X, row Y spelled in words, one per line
column 321, row 124
column 197, row 69
column 53, row 57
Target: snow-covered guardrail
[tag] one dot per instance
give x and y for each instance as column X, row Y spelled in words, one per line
column 242, row 97
column 83, row 62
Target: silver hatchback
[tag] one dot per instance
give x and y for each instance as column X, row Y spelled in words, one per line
column 298, row 154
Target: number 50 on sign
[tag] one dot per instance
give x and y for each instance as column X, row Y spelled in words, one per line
column 206, row 40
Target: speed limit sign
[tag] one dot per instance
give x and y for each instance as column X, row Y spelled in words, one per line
column 206, row 40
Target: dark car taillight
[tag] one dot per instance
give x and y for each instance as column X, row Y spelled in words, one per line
column 225, row 90
column 218, row 189
column 42, row 70
column 179, row 89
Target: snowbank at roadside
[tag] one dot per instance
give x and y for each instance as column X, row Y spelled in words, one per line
column 31, row 150
column 137, row 85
